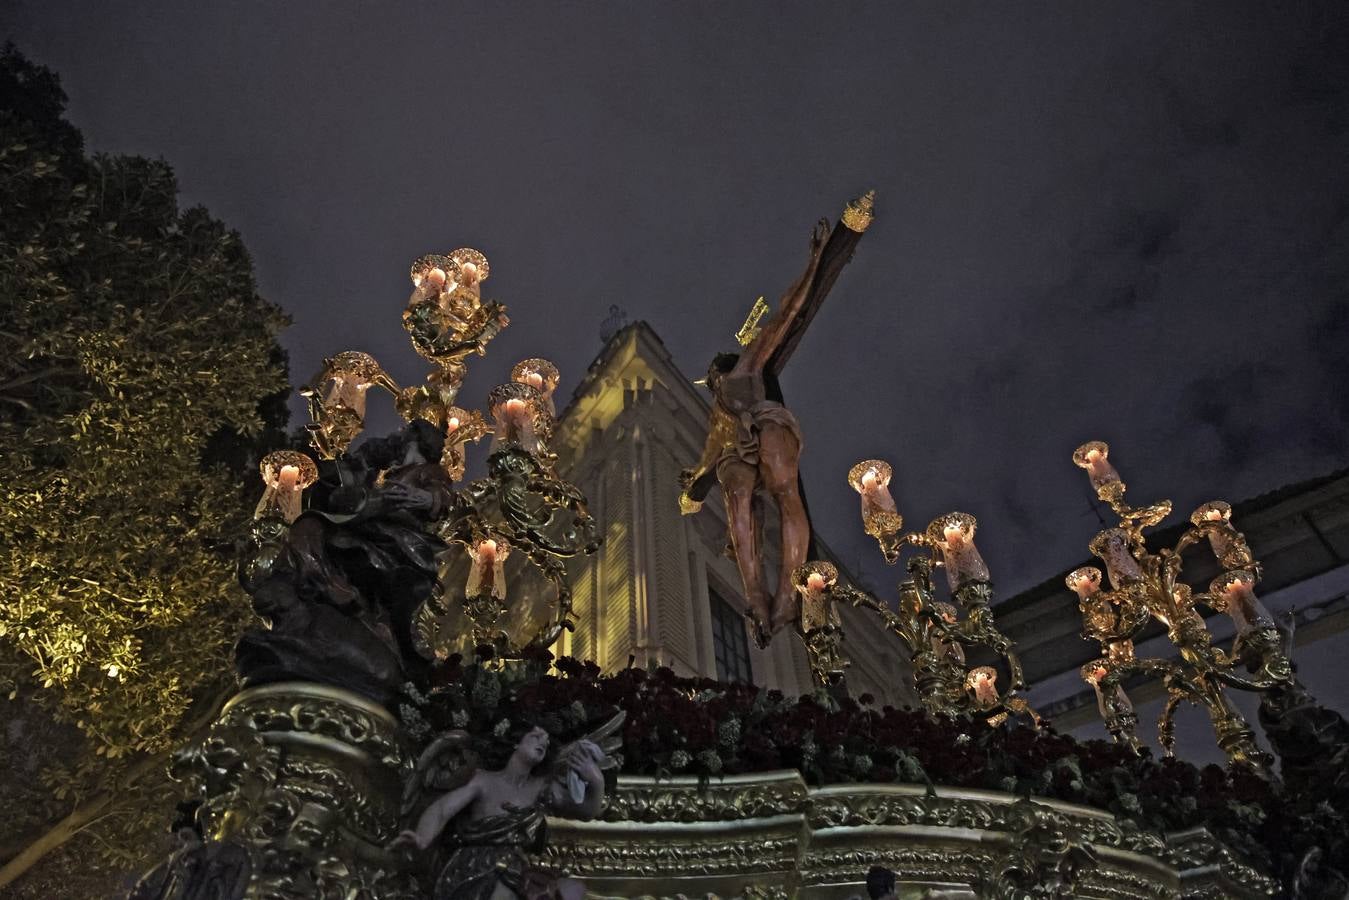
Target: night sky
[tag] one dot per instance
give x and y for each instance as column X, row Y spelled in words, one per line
column 1121, row 221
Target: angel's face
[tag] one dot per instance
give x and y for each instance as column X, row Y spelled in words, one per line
column 533, row 746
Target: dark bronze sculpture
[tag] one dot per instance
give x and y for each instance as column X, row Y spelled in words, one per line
column 341, row 586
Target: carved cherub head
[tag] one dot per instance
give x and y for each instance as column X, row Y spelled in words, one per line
column 526, row 742
column 533, row 746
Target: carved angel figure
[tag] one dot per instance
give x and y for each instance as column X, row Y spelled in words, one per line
column 485, row 821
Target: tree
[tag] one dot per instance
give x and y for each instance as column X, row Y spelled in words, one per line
column 139, row 381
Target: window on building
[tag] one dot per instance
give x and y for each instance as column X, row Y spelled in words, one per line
column 730, row 641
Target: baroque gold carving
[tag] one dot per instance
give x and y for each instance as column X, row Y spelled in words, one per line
column 666, row 802
column 302, row 780
column 996, row 845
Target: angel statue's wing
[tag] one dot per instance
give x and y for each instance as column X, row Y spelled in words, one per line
column 447, row 763
column 609, row 738
column 602, row 744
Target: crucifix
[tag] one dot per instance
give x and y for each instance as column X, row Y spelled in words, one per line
column 754, row 441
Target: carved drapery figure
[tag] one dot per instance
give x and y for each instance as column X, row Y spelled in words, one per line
column 754, row 442
column 486, row 821
column 341, row 586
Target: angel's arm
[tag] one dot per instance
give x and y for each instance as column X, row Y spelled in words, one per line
column 583, row 759
column 757, row 354
column 439, row 813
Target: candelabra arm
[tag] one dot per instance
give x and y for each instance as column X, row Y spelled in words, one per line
column 1166, row 724
column 862, row 600
column 1168, row 573
column 1134, row 519
column 1125, row 633
column 1018, row 674
column 893, row 542
column 1254, row 685
column 1193, row 536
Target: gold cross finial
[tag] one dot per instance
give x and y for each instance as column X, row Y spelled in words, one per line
column 857, row 215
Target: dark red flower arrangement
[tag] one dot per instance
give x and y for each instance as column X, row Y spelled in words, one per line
column 679, row 726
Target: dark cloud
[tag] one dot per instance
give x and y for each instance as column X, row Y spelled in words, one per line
column 1120, row 221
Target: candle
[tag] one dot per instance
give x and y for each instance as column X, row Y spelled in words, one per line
column 433, row 268
column 1097, row 612
column 1085, row 582
column 348, row 391
column 542, row 376
column 285, row 475
column 984, row 682
column 1236, row 590
column 488, row 572
column 953, row 534
column 871, row 479
column 1112, row 702
column 1097, row 465
column 289, row 479
column 1215, row 512
column 352, row 373
column 1094, row 457
column 452, row 425
column 470, row 270
column 514, row 406
column 1112, row 546
column 813, row 582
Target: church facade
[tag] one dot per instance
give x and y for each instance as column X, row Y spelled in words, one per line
column 661, row 589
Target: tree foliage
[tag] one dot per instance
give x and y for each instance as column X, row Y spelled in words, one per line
column 139, row 376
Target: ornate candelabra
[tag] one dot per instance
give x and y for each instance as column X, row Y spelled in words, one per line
column 520, row 506
column 1146, row 586
column 352, row 566
column 936, row 633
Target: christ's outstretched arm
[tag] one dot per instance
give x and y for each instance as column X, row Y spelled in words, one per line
column 768, row 341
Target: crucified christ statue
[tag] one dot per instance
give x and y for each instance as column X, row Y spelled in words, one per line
column 753, row 440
